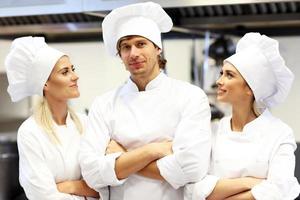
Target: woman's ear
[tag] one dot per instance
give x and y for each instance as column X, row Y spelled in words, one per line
column 249, row 91
column 45, row 87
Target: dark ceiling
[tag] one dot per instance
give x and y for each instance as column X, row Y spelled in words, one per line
column 272, row 18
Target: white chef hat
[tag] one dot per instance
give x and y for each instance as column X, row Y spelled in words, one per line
column 258, row 60
column 28, row 66
column 146, row 19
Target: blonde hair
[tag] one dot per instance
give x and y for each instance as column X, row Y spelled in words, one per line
column 43, row 116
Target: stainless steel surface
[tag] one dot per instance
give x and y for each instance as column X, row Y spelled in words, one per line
column 9, row 169
column 11, row 114
column 95, row 5
column 191, row 17
column 38, row 7
column 61, row 28
column 8, row 136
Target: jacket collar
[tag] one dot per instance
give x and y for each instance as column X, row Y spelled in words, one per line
column 157, row 82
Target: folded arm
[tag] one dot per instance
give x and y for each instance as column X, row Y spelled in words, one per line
column 102, row 167
column 140, row 160
column 233, row 188
column 247, row 195
column 77, row 187
column 151, row 171
column 281, row 182
column 191, row 144
column 35, row 176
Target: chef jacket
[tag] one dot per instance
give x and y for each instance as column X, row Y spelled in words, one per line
column 42, row 163
column 168, row 109
column 264, row 149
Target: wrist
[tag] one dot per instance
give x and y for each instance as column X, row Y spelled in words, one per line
column 152, row 151
column 73, row 186
column 65, row 187
column 247, row 183
column 70, row 187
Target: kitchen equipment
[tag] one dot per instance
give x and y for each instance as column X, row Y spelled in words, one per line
column 9, row 167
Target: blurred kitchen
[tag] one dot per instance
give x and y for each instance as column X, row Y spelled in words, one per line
column 205, row 32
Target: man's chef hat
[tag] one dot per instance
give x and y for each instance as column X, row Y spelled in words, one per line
column 258, row 60
column 147, row 19
column 28, row 66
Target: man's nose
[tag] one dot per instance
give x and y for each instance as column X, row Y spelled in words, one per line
column 134, row 52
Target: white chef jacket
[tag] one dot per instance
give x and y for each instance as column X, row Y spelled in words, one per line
column 42, row 164
column 168, row 109
column 264, row 149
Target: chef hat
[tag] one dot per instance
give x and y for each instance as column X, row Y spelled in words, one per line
column 28, row 66
column 258, row 60
column 147, row 19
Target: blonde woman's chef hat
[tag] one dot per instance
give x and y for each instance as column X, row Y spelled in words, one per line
column 146, row 19
column 258, row 60
column 28, row 66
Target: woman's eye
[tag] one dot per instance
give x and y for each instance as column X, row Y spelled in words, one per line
column 65, row 72
column 229, row 75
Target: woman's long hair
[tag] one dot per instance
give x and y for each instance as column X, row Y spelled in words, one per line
column 43, row 116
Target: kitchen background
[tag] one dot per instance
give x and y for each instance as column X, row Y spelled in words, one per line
column 204, row 32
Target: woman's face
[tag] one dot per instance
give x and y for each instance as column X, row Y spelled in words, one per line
column 62, row 82
column 232, row 87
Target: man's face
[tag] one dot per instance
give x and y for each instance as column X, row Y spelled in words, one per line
column 139, row 56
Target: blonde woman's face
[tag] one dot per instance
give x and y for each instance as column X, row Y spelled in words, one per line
column 232, row 87
column 62, row 82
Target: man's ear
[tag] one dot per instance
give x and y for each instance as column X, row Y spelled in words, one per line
column 159, row 51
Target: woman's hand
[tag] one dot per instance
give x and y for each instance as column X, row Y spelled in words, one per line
column 235, row 188
column 77, row 187
column 65, row 187
column 114, row 147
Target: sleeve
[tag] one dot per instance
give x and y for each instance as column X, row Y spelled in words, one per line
column 98, row 169
column 281, row 182
column 201, row 189
column 191, row 145
column 35, row 177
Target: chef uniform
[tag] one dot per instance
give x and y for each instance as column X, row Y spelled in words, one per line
column 265, row 148
column 168, row 109
column 42, row 163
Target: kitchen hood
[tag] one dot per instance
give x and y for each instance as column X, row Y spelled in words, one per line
column 82, row 18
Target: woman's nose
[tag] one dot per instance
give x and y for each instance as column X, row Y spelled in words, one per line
column 219, row 81
column 74, row 77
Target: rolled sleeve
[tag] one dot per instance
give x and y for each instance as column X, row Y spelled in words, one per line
column 168, row 166
column 280, row 183
column 191, row 144
column 109, row 169
column 266, row 191
column 201, row 189
column 97, row 168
